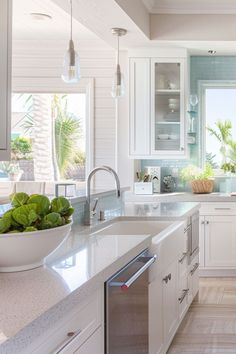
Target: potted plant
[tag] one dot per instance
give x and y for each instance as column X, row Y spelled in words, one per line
column 200, row 179
column 12, row 170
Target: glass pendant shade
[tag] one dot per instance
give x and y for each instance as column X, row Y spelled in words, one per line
column 118, row 86
column 71, row 67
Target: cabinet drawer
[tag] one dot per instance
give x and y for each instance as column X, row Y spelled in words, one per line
column 93, row 345
column 74, row 329
column 218, row 208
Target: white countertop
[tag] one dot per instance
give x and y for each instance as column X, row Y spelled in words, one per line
column 180, row 197
column 31, row 301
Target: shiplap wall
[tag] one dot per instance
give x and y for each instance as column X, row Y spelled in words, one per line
column 44, row 59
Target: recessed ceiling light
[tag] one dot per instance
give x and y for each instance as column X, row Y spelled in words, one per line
column 38, row 16
column 211, row 52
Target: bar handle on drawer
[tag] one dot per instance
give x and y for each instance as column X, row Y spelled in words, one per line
column 132, row 279
column 223, row 208
column 183, row 257
column 181, row 298
column 71, row 336
column 194, row 268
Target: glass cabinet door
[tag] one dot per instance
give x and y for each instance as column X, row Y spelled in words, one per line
column 167, row 108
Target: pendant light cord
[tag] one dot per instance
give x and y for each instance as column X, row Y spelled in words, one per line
column 71, row 19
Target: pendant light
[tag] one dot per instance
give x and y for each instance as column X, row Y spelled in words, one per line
column 71, row 68
column 118, row 88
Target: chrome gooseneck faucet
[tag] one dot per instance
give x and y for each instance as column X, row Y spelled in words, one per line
column 87, row 210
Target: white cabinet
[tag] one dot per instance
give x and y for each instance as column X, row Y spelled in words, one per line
column 193, row 279
column 217, row 238
column 170, row 300
column 168, row 289
column 220, row 241
column 157, row 107
column 78, row 332
column 93, row 345
column 5, row 77
column 140, row 106
column 183, row 284
column 168, row 107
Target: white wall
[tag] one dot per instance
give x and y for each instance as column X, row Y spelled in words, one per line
column 44, row 59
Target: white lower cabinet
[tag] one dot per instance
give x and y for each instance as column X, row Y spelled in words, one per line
column 170, row 305
column 193, row 279
column 220, row 241
column 171, row 290
column 93, row 345
column 79, row 332
column 217, row 237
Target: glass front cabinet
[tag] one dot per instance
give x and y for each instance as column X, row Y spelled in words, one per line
column 157, row 107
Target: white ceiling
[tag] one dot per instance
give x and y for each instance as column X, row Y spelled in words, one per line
column 58, row 28
column 191, row 6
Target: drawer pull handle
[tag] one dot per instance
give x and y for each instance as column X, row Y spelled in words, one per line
column 183, row 257
column 167, row 278
column 70, row 337
column 194, row 268
column 181, row 298
column 222, row 208
column 187, row 228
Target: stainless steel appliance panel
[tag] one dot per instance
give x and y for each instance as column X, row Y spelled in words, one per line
column 127, row 308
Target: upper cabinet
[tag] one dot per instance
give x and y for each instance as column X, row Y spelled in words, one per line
column 5, row 77
column 157, row 107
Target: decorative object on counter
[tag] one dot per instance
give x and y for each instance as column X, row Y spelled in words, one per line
column 32, row 229
column 169, row 184
column 118, row 87
column 71, row 67
column 67, row 190
column 155, row 176
column 143, row 186
column 200, row 179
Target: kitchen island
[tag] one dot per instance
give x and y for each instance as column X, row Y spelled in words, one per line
column 32, row 301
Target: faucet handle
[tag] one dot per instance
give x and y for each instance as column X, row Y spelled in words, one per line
column 93, row 211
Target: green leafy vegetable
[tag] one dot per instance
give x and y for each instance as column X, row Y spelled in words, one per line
column 42, row 202
column 60, row 205
column 35, row 212
column 5, row 224
column 18, row 199
column 25, row 215
column 51, row 220
column 30, row 229
column 8, row 214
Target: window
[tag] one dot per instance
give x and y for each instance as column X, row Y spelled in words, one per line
column 51, row 133
column 219, row 111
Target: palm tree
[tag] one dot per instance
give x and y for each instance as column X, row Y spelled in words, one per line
column 56, row 132
column 67, row 133
column 224, row 135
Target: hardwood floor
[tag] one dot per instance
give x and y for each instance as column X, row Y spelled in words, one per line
column 209, row 327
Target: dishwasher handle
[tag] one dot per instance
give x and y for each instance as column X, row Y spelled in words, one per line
column 131, row 280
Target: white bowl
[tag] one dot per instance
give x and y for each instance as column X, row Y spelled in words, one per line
column 27, row 250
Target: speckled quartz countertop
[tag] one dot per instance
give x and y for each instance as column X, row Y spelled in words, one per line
column 31, row 301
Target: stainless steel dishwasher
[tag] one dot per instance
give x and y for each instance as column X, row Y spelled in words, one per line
column 126, row 294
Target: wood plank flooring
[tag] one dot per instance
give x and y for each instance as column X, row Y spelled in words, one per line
column 209, row 327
